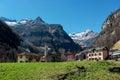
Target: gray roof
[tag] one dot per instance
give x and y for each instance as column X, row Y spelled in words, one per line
column 29, row 54
column 100, row 48
column 116, row 52
column 91, row 49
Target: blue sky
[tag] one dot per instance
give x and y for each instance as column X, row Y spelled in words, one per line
column 73, row 15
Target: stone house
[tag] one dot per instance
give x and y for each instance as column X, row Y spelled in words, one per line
column 28, row 57
column 98, row 54
column 48, row 58
column 81, row 55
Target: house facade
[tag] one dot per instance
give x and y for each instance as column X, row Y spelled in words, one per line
column 80, row 56
column 97, row 54
column 28, row 57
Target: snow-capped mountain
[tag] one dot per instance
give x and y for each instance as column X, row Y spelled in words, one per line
column 24, row 21
column 39, row 33
column 12, row 22
column 85, row 39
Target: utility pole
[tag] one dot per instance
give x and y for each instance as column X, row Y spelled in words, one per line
column 46, row 50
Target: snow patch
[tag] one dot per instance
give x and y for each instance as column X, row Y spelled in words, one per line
column 11, row 23
column 23, row 22
column 85, row 38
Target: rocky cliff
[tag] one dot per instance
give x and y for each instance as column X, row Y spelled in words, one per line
column 40, row 34
column 9, row 43
column 110, row 33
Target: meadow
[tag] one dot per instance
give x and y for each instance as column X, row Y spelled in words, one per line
column 95, row 70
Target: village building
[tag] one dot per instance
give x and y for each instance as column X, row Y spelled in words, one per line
column 114, row 54
column 48, row 55
column 97, row 54
column 28, row 57
column 49, row 58
column 80, row 56
column 70, row 57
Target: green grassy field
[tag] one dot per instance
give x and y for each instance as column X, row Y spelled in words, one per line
column 47, row 71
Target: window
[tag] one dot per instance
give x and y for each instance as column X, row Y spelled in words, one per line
column 99, row 53
column 92, row 54
column 99, row 58
column 89, row 54
column 20, row 56
column 95, row 54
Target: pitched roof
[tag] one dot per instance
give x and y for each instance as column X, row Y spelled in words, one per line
column 91, row 49
column 28, row 54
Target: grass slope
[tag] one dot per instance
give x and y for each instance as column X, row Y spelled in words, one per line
column 44, row 71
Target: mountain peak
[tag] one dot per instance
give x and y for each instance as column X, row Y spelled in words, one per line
column 88, row 30
column 24, row 21
column 85, row 39
column 38, row 19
